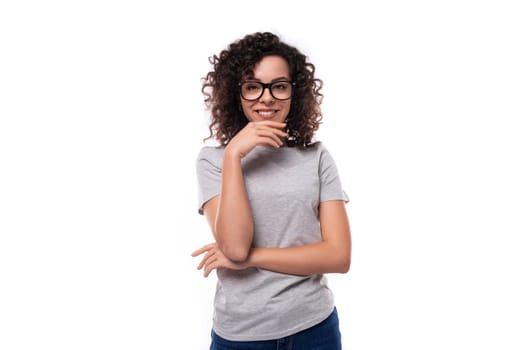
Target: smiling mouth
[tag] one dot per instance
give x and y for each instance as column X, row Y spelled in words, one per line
column 266, row 114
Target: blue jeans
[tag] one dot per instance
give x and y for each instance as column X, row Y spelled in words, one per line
column 323, row 336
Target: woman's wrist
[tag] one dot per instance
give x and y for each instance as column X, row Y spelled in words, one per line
column 253, row 257
column 232, row 154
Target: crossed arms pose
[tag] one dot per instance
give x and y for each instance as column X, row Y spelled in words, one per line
column 231, row 221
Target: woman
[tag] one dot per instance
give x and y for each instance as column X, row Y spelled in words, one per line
column 273, row 200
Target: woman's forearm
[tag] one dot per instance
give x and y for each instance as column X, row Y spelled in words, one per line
column 234, row 222
column 331, row 254
column 317, row 258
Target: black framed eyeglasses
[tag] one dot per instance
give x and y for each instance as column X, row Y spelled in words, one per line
column 253, row 90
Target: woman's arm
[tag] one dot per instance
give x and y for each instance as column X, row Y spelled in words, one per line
column 229, row 214
column 331, row 255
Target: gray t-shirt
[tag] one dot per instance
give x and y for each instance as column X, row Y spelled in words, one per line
column 284, row 187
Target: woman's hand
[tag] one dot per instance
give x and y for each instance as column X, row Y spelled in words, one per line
column 214, row 258
column 265, row 133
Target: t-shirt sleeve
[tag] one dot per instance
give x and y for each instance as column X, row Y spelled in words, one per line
column 209, row 175
column 330, row 183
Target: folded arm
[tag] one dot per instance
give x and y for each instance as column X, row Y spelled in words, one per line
column 229, row 214
column 331, row 255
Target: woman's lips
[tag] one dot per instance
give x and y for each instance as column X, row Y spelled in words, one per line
column 267, row 114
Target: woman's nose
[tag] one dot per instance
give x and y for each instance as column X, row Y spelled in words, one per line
column 266, row 96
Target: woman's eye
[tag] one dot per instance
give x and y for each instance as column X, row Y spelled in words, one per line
column 280, row 86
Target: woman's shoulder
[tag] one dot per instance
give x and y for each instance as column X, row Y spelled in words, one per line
column 314, row 147
column 210, row 152
column 319, row 150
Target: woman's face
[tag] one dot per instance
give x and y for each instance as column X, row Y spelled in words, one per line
column 271, row 69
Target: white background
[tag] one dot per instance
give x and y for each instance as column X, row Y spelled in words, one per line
column 102, row 118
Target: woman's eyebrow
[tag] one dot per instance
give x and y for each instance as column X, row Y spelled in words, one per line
column 275, row 79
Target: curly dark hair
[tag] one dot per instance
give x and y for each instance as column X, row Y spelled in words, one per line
column 222, row 95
